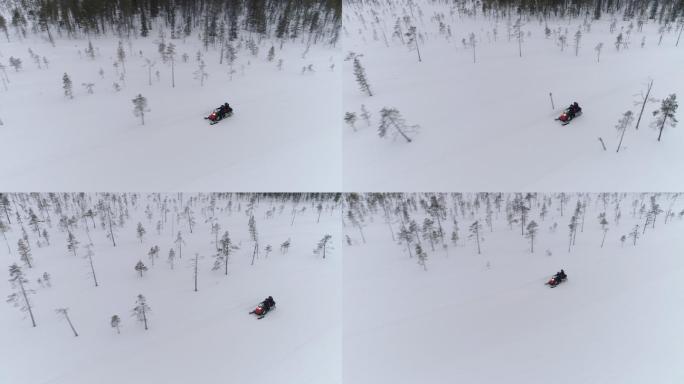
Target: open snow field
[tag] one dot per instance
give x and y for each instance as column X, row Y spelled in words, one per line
column 203, row 337
column 489, row 125
column 284, row 134
column 489, row 318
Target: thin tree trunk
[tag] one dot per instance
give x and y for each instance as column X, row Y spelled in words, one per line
column 28, row 305
column 196, row 257
column 70, row 324
column 621, row 137
column 662, row 126
column 604, row 238
column 90, row 258
column 173, row 77
column 648, row 92
column 144, row 317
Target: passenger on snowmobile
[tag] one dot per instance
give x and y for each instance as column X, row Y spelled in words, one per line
column 220, row 113
column 264, row 307
column 570, row 113
column 558, row 278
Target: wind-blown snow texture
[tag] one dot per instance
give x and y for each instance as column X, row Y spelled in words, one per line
column 489, row 125
column 205, row 336
column 617, row 319
column 283, row 121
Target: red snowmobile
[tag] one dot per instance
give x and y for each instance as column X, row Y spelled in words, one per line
column 557, row 279
column 219, row 114
column 263, row 308
column 570, row 113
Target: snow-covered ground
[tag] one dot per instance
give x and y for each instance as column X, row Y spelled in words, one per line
column 205, row 336
column 489, row 318
column 489, row 125
column 283, row 136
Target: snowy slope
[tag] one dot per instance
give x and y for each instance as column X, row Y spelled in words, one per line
column 205, row 336
column 618, row 319
column 489, row 125
column 283, row 120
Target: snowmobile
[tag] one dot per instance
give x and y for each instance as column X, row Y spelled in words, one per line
column 262, row 309
column 557, row 279
column 568, row 114
column 215, row 116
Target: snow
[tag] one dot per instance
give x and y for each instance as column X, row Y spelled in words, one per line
column 617, row 319
column 283, row 120
column 489, row 125
column 205, row 336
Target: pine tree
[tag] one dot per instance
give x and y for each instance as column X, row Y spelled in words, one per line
column 422, row 257
column 72, row 243
column 140, row 107
column 475, row 230
column 634, row 235
column 141, row 310
column 412, row 40
column 222, row 257
column 361, row 78
column 172, row 257
column 179, row 242
column 15, row 63
column 25, row 253
column 667, row 110
column 170, row 53
column 350, row 119
column 67, row 86
column 115, row 322
column 140, row 230
column 271, row 54
column 578, row 39
column 622, row 125
column 390, row 119
column 20, row 298
column 140, row 267
column 89, row 256
column 254, row 236
column 121, row 55
column 323, row 245
column 531, row 233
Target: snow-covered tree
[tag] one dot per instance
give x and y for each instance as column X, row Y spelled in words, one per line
column 350, row 119
column 140, row 267
column 72, row 243
column 475, row 230
column 622, row 125
column 89, row 256
column 323, row 246
column 141, row 310
column 25, row 252
column 360, row 74
column 115, row 322
column 140, row 232
column 391, row 119
column 67, row 86
column 15, row 63
column 20, row 298
column 89, row 87
column 422, row 257
column 598, row 49
column 666, row 114
column 140, row 107
column 172, row 257
column 531, row 233
column 412, row 40
column 170, row 54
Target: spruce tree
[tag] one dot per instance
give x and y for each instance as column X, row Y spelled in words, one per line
column 666, row 114
column 67, row 86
